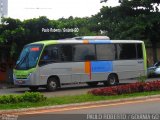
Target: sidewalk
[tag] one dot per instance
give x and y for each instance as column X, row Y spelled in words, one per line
column 38, row 110
column 4, row 85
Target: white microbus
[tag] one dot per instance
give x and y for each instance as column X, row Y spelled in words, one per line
column 54, row 63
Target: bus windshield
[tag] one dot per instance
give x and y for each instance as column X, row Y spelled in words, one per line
column 29, row 57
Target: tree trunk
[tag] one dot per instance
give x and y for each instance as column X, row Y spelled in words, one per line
column 154, row 51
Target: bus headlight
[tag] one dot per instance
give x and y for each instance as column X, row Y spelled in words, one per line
column 29, row 75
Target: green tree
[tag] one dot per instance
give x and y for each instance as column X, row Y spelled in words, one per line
column 33, row 29
column 11, row 34
column 148, row 13
column 133, row 19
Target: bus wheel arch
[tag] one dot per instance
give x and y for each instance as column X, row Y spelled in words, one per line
column 112, row 80
column 53, row 83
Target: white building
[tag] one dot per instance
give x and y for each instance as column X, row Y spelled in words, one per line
column 3, row 8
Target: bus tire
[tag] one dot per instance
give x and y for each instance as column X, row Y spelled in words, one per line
column 52, row 84
column 33, row 88
column 112, row 80
column 92, row 84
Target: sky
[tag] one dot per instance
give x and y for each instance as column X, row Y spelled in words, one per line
column 55, row 9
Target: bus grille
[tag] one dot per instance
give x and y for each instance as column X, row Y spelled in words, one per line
column 21, row 76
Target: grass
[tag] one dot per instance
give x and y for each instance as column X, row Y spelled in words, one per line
column 73, row 99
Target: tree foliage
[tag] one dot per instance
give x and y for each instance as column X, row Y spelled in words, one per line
column 133, row 19
column 18, row 33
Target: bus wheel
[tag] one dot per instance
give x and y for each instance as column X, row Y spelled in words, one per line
column 112, row 80
column 52, row 84
column 92, row 84
column 33, row 88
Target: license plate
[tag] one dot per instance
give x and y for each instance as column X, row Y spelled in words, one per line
column 20, row 81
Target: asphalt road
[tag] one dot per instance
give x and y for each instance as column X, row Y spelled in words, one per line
column 92, row 112
column 149, row 108
column 64, row 91
column 69, row 90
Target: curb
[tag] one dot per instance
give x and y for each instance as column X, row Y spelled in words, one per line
column 19, row 111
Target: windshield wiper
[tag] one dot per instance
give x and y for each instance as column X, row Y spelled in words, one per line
column 22, row 60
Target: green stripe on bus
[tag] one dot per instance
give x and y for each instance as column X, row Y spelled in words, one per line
column 144, row 56
column 47, row 42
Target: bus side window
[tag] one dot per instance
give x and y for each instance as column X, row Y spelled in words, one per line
column 45, row 55
column 90, row 57
column 139, row 51
column 127, row 51
column 106, row 51
column 49, row 55
column 84, row 52
column 66, row 53
column 54, row 54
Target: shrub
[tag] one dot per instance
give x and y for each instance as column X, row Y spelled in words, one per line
column 26, row 97
column 33, row 97
column 142, row 78
column 125, row 89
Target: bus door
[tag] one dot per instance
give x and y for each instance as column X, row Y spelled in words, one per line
column 52, row 63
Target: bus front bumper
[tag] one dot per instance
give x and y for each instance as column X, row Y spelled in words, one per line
column 24, row 81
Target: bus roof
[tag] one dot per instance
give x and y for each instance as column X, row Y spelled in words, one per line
column 92, row 38
column 73, row 41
